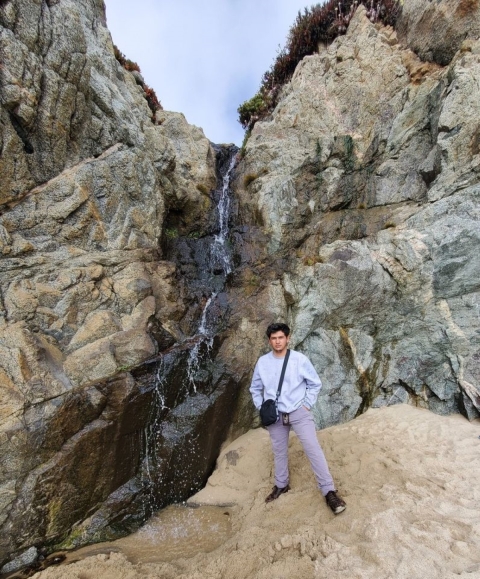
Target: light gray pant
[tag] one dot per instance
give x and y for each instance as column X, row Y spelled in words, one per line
column 301, row 420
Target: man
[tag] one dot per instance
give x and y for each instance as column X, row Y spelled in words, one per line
column 299, row 392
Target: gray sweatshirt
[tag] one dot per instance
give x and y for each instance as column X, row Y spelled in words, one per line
column 301, row 384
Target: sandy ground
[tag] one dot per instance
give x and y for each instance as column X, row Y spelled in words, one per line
column 411, row 480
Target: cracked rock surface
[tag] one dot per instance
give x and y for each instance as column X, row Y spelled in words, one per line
column 364, row 184
column 87, row 180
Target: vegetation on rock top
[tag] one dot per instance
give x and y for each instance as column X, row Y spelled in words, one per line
column 132, row 66
column 318, row 24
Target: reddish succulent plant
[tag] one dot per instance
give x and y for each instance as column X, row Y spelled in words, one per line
column 152, row 99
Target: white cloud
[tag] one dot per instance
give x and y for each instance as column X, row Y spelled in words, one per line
column 203, row 58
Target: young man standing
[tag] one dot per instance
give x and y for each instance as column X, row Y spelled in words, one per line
column 299, row 392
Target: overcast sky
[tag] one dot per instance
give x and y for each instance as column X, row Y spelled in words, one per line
column 203, row 58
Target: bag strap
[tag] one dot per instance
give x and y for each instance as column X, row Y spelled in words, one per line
column 282, row 375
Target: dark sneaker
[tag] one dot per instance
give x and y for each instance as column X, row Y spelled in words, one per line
column 337, row 504
column 276, row 492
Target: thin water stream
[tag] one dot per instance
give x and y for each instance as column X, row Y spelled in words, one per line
column 172, row 417
column 220, row 265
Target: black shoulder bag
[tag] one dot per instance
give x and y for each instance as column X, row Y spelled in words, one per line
column 269, row 410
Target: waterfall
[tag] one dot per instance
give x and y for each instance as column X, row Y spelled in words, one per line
column 220, row 261
column 151, row 440
column 193, row 364
column 219, row 248
column 182, row 389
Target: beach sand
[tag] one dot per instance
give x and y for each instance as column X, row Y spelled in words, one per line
column 411, row 480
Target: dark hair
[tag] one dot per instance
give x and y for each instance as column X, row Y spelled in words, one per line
column 272, row 328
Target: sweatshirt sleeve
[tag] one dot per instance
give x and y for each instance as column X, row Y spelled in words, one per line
column 256, row 388
column 313, row 383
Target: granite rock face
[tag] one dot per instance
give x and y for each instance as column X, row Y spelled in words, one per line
column 365, row 186
column 89, row 182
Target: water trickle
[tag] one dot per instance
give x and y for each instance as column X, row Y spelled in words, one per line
column 220, row 266
column 175, row 441
column 193, row 363
column 220, row 252
column 152, row 440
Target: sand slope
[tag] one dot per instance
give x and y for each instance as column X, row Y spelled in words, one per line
column 411, row 480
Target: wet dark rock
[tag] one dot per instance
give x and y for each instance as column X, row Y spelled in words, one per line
column 23, row 560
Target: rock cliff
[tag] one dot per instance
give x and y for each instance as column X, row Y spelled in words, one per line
column 93, row 191
column 355, row 218
column 364, row 186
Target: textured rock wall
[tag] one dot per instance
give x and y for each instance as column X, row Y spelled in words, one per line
column 87, row 183
column 364, row 187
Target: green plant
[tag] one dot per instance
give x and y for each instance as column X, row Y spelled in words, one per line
column 123, row 368
column 252, row 110
column 243, row 148
column 362, row 206
column 194, row 235
column 171, row 232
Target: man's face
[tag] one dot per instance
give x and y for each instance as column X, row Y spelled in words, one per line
column 279, row 342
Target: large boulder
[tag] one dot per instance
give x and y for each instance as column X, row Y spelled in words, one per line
column 355, row 220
